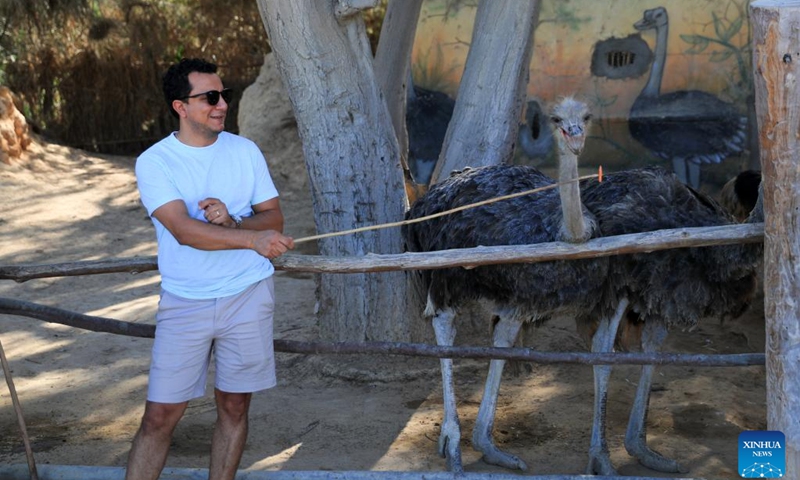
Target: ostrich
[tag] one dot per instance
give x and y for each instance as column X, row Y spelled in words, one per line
column 688, row 127
column 535, row 136
column 428, row 114
column 664, row 289
column 739, row 195
column 518, row 292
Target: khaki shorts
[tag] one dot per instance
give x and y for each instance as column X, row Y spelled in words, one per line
column 237, row 330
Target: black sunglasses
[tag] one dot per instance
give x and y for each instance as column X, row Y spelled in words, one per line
column 212, row 96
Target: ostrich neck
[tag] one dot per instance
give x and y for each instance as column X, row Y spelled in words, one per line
column 574, row 225
column 653, row 87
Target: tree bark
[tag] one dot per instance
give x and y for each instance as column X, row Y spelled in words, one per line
column 352, row 157
column 392, row 62
column 485, row 122
column 776, row 64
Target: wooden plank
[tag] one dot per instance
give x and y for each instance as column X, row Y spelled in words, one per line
column 776, row 64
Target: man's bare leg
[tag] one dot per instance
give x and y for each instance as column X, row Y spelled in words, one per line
column 230, row 434
column 151, row 443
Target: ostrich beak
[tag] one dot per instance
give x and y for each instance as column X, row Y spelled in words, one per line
column 574, row 137
column 643, row 24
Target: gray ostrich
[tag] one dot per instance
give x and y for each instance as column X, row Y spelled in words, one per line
column 687, row 127
column 519, row 292
column 664, row 289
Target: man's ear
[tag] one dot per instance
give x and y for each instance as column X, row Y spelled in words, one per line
column 179, row 107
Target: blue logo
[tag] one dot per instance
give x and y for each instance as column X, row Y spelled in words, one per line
column 762, row 454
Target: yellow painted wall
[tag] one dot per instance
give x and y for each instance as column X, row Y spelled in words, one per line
column 564, row 43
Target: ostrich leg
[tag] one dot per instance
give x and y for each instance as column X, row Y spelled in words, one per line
column 505, row 333
column 681, row 168
column 603, row 341
column 693, row 171
column 653, row 337
column 450, row 435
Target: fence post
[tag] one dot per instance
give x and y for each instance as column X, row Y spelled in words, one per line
column 776, row 66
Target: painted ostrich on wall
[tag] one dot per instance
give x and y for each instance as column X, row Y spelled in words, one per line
column 668, row 288
column 535, row 137
column 428, row 115
column 687, row 127
column 519, row 292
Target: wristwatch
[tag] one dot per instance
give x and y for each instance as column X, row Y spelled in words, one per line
column 237, row 220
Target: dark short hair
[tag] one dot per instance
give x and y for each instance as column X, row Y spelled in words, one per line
column 175, row 82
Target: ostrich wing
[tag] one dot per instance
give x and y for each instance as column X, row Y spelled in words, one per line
column 688, row 124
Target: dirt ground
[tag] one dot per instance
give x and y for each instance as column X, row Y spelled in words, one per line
column 83, row 392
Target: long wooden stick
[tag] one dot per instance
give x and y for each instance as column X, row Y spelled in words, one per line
column 446, row 212
column 20, row 419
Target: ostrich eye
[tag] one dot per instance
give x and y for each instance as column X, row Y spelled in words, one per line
column 587, row 117
column 555, row 120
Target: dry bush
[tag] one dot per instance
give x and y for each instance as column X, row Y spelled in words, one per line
column 95, row 83
column 92, row 79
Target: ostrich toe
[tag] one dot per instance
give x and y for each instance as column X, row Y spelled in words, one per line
column 652, row 459
column 449, row 447
column 494, row 456
column 600, row 464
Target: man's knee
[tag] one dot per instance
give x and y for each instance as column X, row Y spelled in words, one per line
column 233, row 405
column 162, row 417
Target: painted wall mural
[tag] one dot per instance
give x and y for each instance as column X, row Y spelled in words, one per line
column 669, row 81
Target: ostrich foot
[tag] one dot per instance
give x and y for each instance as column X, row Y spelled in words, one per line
column 449, row 449
column 600, row 464
column 652, row 459
column 494, row 456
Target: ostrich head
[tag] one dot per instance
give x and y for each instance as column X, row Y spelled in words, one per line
column 570, row 119
column 653, row 18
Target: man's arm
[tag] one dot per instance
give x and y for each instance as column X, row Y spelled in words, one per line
column 267, row 216
column 262, row 234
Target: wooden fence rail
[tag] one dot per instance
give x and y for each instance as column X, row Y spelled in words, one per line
column 108, row 325
column 465, row 257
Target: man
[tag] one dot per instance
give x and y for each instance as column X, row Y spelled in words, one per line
column 218, row 222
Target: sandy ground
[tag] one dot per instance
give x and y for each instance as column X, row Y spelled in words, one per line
column 83, row 392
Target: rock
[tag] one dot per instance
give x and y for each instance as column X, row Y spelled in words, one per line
column 266, row 117
column 14, row 137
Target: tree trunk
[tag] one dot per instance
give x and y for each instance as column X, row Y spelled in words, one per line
column 485, row 122
column 352, row 158
column 392, row 65
column 776, row 62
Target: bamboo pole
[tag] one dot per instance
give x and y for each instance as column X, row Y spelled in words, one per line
column 776, row 64
column 20, row 419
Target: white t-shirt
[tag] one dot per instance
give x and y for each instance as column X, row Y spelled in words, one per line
column 233, row 170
